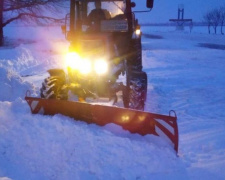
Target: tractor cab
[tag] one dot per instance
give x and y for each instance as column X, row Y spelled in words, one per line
column 101, row 16
column 96, row 16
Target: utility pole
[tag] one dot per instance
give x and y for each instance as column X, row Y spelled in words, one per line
column 1, row 22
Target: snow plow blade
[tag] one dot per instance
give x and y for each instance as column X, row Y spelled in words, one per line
column 134, row 121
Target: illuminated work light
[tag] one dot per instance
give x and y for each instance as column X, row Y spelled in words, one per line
column 101, row 66
column 138, row 30
column 73, row 60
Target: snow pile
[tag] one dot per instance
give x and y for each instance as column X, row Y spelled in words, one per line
column 60, row 148
column 12, row 85
column 28, row 57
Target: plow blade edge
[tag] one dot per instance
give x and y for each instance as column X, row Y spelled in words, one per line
column 134, row 121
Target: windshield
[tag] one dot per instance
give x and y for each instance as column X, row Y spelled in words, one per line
column 105, row 17
column 114, row 8
column 88, row 16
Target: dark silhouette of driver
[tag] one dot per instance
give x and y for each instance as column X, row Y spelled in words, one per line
column 96, row 15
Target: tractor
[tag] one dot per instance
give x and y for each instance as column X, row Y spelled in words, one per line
column 102, row 79
column 104, row 62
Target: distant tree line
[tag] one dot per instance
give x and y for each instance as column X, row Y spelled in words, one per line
column 215, row 18
column 28, row 11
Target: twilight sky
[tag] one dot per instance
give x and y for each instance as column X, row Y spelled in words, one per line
column 164, row 10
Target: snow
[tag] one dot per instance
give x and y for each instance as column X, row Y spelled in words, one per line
column 183, row 75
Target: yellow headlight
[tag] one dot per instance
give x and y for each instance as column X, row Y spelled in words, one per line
column 73, row 60
column 101, row 66
column 85, row 66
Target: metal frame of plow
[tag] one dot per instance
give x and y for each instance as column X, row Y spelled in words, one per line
column 134, row 121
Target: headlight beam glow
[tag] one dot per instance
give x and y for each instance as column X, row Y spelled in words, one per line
column 101, row 66
column 85, row 65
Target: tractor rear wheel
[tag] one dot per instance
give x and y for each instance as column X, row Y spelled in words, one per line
column 135, row 59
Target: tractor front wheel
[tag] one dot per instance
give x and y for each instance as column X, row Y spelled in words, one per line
column 135, row 92
column 53, row 88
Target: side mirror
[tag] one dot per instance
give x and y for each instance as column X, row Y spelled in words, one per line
column 149, row 3
column 133, row 4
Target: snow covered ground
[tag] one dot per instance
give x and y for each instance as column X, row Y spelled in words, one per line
column 185, row 73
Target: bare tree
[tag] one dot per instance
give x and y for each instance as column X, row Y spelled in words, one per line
column 222, row 18
column 208, row 19
column 38, row 11
column 216, row 17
